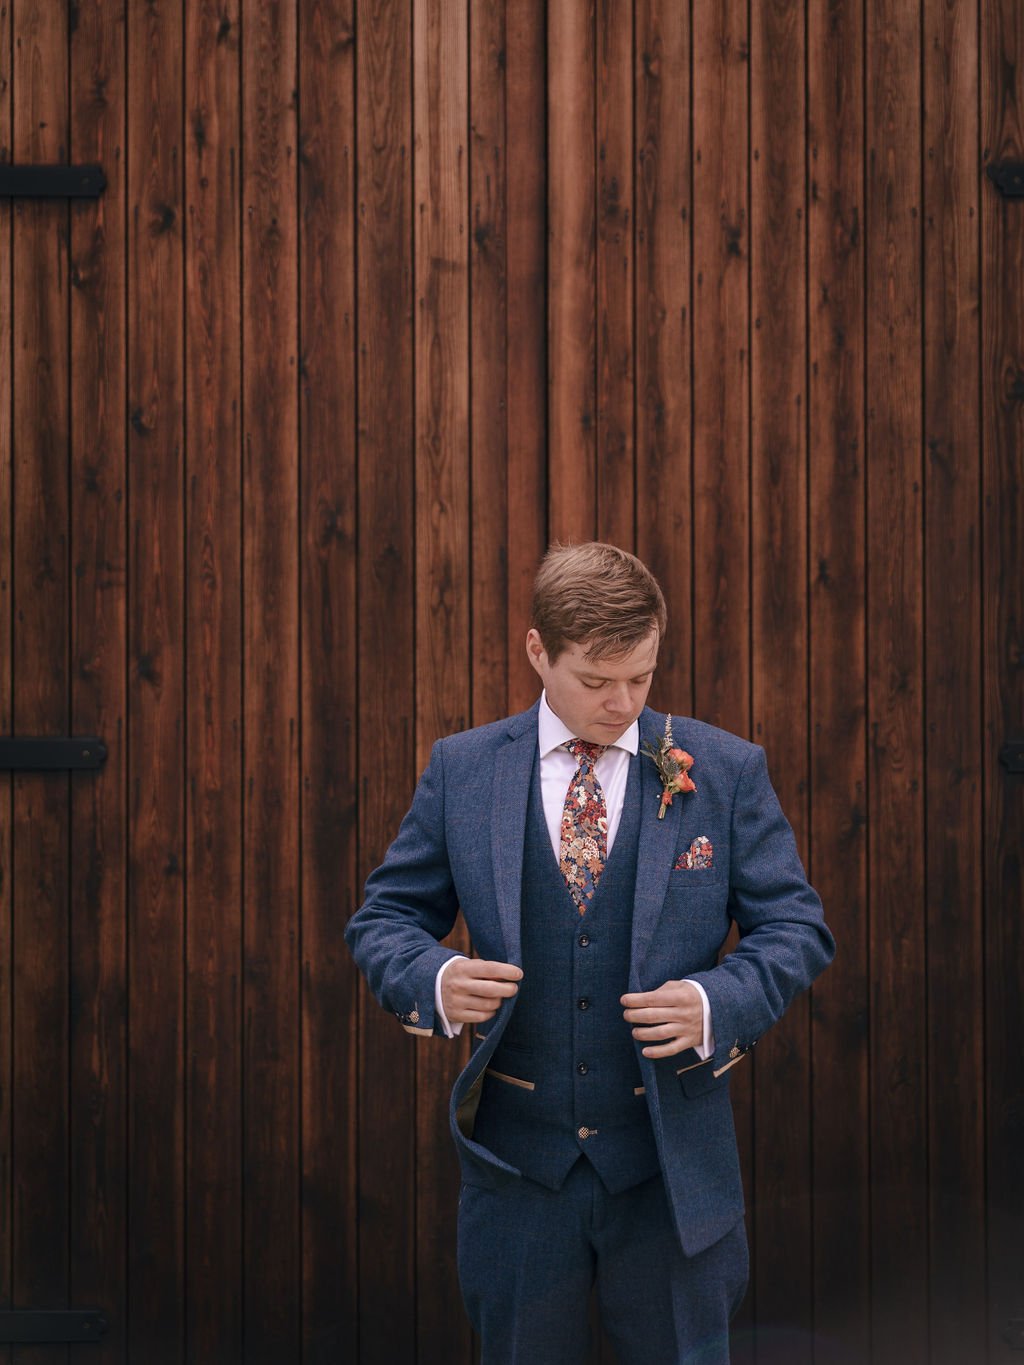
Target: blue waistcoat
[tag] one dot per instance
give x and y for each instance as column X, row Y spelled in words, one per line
column 565, row 1077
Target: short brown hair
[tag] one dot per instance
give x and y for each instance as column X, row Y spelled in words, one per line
column 598, row 594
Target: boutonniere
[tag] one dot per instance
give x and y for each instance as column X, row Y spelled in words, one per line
column 673, row 767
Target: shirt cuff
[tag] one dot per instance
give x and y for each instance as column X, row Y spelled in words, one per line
column 453, row 1030
column 707, row 1047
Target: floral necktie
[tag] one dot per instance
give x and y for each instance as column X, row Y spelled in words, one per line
column 584, row 842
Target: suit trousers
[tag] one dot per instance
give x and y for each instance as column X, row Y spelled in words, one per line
column 528, row 1257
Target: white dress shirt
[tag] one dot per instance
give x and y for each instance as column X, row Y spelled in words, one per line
column 557, row 768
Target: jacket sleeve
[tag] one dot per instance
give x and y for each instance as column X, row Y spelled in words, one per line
column 784, row 941
column 409, row 904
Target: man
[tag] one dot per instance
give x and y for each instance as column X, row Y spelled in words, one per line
column 598, row 854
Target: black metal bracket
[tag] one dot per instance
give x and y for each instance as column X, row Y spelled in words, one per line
column 1008, row 178
column 49, row 753
column 52, row 182
column 52, row 1324
column 1011, row 754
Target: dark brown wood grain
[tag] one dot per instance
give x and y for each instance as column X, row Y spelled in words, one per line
column 721, row 382
column 213, row 414
column 379, row 297
column 327, row 510
column 99, row 584
column 952, row 638
column 40, row 869
column 526, row 535
column 837, row 250
column 443, row 573
column 156, row 690
column 488, row 360
column 614, row 322
column 386, row 615
column 779, row 684
column 664, row 501
column 272, row 704
column 572, row 412
column 896, row 761
column 1002, row 485
column 7, row 549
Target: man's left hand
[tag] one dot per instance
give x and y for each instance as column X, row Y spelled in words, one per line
column 671, row 1018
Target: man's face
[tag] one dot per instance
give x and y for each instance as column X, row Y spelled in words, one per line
column 599, row 699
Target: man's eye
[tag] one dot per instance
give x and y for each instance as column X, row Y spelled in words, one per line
column 593, row 686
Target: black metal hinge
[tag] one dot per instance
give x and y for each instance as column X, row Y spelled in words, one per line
column 52, row 182
column 52, row 1324
column 1008, row 178
column 49, row 753
column 1011, row 754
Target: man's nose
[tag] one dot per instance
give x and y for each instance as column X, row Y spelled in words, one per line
column 617, row 700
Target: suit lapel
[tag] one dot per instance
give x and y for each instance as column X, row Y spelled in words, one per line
column 513, row 770
column 655, row 850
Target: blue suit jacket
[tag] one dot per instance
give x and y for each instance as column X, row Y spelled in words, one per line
column 461, row 846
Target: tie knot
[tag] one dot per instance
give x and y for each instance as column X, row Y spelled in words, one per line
column 585, row 752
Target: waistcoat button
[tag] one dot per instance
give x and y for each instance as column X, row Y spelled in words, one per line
column 582, row 1068
column 584, row 940
column 583, row 1003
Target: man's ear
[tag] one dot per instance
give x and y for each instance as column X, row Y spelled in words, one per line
column 534, row 646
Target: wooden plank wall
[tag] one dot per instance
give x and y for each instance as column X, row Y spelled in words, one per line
column 382, row 296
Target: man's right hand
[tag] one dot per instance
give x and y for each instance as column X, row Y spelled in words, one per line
column 472, row 989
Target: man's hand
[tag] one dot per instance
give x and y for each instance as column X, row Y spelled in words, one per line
column 473, row 989
column 671, row 1018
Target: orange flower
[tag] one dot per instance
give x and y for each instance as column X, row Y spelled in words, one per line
column 672, row 764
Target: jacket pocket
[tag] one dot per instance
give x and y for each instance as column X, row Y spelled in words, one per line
column 510, row 1080
column 697, row 1078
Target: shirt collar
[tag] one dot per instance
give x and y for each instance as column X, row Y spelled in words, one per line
column 551, row 732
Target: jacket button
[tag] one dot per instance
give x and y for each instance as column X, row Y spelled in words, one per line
column 414, row 1018
column 583, row 1003
column 584, row 1133
column 584, row 940
column 582, row 1068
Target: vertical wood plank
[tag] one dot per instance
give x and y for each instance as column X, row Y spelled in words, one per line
column 1002, row 103
column 387, row 754
column 572, row 489
column 838, row 864
column 40, row 834
column 615, row 475
column 778, row 459
column 214, row 683
column 440, row 79
column 98, row 1042
column 6, row 680
column 270, row 587
column 488, row 360
column 329, row 677
column 720, row 591
column 952, row 590
column 156, row 755
column 898, row 1048
column 721, row 386
column 664, row 500
column 441, row 419
column 526, row 536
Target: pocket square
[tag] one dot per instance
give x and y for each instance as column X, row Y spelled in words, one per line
column 699, row 854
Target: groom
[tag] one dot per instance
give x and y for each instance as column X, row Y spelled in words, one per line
column 598, row 858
